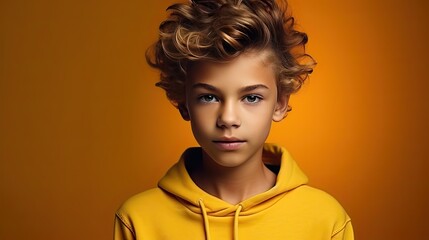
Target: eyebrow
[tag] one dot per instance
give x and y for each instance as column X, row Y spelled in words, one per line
column 253, row 87
column 243, row 89
column 205, row 86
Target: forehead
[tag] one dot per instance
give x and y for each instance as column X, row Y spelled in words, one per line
column 247, row 68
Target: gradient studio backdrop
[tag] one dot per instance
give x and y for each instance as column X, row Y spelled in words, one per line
column 82, row 127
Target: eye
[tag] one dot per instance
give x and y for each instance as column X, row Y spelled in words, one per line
column 252, row 98
column 207, row 98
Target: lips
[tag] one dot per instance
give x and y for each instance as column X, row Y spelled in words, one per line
column 229, row 144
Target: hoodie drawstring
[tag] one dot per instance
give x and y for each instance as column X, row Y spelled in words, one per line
column 237, row 213
column 205, row 219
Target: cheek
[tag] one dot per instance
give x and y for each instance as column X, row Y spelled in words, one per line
column 262, row 119
column 260, row 114
column 201, row 120
column 263, row 123
column 202, row 114
column 265, row 128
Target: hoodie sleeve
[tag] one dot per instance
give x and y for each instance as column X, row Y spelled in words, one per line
column 122, row 230
column 346, row 233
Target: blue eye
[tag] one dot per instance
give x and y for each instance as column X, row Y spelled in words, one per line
column 208, row 98
column 252, row 98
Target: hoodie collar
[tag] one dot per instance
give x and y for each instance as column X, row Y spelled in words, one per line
column 178, row 183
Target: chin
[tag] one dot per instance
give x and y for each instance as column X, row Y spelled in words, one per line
column 227, row 159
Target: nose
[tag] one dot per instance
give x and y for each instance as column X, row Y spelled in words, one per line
column 228, row 116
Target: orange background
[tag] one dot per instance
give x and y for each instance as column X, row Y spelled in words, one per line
column 82, row 127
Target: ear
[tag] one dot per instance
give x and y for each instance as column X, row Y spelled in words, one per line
column 184, row 112
column 282, row 108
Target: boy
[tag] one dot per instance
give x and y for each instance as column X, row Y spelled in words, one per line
column 229, row 66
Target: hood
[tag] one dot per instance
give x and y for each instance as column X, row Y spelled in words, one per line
column 178, row 183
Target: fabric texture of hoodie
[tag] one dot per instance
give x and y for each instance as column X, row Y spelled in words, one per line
column 179, row 209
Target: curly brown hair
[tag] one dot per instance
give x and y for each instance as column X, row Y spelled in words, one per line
column 220, row 30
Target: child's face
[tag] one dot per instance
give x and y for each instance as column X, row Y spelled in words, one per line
column 231, row 107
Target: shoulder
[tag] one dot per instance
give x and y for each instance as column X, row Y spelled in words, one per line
column 319, row 207
column 142, row 200
column 143, row 205
column 136, row 212
column 312, row 196
column 318, row 200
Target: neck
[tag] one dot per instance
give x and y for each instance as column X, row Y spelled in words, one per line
column 234, row 184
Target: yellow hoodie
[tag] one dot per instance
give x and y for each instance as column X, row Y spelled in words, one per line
column 179, row 209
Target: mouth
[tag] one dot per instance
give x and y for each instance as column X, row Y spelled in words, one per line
column 229, row 144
